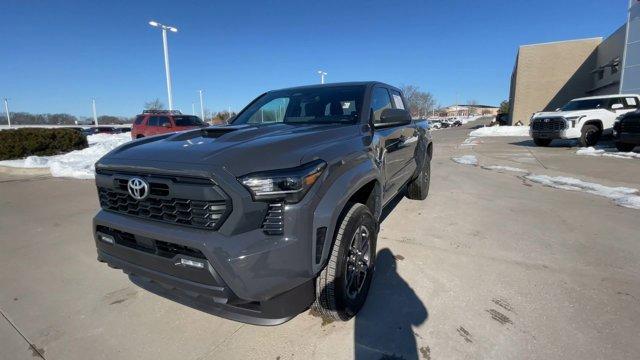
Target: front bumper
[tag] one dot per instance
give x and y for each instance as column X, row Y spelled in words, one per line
column 571, row 133
column 628, row 138
column 263, row 283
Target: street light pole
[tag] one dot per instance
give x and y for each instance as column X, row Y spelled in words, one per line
column 6, row 108
column 322, row 74
column 193, row 108
column 201, row 106
column 165, row 47
column 95, row 114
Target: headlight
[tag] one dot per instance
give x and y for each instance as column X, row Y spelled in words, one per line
column 574, row 119
column 290, row 185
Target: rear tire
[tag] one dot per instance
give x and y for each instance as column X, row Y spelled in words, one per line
column 590, row 135
column 541, row 142
column 625, row 147
column 343, row 285
column 139, row 136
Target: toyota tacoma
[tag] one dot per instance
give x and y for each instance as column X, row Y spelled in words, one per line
column 269, row 215
column 585, row 119
column 627, row 131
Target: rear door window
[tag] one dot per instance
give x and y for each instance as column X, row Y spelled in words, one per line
column 153, row 121
column 163, row 121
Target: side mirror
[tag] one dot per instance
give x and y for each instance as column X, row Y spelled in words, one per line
column 394, row 117
column 616, row 106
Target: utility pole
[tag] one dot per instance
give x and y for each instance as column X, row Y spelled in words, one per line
column 201, row 106
column 322, row 75
column 165, row 47
column 6, row 109
column 95, row 114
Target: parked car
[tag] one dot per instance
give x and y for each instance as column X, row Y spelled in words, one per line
column 259, row 219
column 435, row 124
column 627, row 131
column 585, row 119
column 502, row 119
column 155, row 122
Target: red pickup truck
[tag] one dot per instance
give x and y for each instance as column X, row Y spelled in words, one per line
column 155, row 122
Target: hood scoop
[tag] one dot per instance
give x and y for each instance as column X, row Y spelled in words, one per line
column 208, row 132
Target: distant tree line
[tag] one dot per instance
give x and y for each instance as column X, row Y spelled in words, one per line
column 25, row 118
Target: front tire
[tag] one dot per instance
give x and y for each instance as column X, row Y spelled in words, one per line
column 541, row 142
column 343, row 285
column 418, row 188
column 625, row 147
column 590, row 135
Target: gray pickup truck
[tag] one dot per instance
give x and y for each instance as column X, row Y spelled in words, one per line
column 277, row 211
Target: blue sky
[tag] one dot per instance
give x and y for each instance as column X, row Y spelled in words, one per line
column 56, row 55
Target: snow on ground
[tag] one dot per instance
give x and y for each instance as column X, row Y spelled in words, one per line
column 77, row 164
column 607, row 152
column 472, row 141
column 466, row 160
column 504, row 168
column 622, row 196
column 501, row 131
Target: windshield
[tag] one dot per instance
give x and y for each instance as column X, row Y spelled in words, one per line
column 187, row 121
column 585, row 104
column 337, row 104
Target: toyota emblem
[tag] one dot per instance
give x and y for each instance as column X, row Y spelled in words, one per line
column 138, row 188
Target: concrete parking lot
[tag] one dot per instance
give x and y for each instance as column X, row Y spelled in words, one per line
column 490, row 266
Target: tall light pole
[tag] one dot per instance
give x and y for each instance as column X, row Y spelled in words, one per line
column 322, row 74
column 165, row 46
column 6, row 109
column 201, row 106
column 193, row 108
column 95, row 113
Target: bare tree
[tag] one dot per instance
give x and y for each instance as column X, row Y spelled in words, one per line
column 473, row 110
column 155, row 104
column 421, row 103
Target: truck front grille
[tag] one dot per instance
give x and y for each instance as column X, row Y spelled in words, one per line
column 194, row 213
column 548, row 124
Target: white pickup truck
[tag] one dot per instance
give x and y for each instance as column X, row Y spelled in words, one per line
column 585, row 119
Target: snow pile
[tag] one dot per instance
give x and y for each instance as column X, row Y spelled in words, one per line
column 501, row 131
column 591, row 151
column 622, row 196
column 466, row 160
column 77, row 164
column 504, row 168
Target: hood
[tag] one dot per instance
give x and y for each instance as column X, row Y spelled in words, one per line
column 566, row 113
column 240, row 149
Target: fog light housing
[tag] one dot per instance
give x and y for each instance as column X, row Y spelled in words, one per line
column 191, row 263
column 106, row 238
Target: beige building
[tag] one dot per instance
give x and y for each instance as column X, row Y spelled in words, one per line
column 467, row 110
column 546, row 76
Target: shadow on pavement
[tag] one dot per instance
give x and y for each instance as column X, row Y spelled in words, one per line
column 384, row 326
column 554, row 143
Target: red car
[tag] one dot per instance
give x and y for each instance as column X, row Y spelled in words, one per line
column 154, row 122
